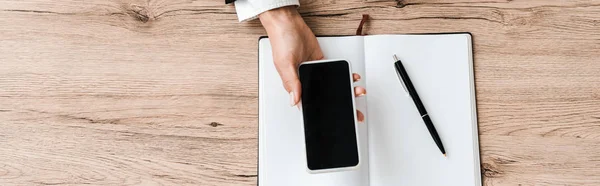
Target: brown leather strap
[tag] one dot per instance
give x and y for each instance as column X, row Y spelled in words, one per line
column 359, row 31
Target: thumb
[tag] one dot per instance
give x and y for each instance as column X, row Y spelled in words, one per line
column 291, row 83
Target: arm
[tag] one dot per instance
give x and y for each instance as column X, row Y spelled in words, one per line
column 293, row 42
column 291, row 39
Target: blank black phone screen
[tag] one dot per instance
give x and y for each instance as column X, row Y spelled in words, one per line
column 329, row 124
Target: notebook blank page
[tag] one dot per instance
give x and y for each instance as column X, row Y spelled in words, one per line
column 281, row 140
column 402, row 152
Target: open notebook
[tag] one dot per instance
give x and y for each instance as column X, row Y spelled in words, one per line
column 396, row 148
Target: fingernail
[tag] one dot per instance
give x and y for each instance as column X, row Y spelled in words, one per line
column 292, row 99
column 298, row 106
column 362, row 94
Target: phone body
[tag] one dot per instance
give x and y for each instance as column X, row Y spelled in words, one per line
column 329, row 116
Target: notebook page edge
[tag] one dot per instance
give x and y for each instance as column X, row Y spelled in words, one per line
column 476, row 153
column 260, row 172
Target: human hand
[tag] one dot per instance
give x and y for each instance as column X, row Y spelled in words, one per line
column 293, row 42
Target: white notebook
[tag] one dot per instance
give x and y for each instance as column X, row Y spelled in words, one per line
column 396, row 148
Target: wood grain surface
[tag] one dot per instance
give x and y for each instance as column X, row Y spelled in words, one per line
column 164, row 92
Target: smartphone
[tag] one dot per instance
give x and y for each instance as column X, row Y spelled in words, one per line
column 329, row 114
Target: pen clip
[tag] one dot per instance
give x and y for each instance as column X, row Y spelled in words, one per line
column 396, row 60
column 402, row 83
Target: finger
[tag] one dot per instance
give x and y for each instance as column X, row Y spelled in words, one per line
column 359, row 116
column 291, row 83
column 359, row 91
column 355, row 77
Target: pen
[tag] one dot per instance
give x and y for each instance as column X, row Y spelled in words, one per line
column 408, row 86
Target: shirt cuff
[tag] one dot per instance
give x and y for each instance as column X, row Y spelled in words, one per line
column 250, row 9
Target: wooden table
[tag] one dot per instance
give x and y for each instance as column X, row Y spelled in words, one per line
column 164, row 92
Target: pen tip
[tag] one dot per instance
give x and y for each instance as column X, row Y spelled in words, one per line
column 395, row 58
column 445, row 155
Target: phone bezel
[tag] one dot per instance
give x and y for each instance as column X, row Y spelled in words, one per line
column 355, row 167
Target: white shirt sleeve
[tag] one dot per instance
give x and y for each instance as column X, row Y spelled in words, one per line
column 249, row 9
